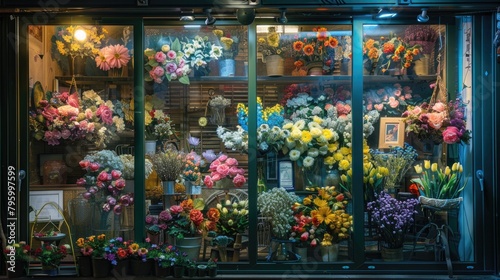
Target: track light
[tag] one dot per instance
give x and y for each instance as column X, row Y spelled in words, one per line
column 245, row 16
column 210, row 19
column 423, row 17
column 282, row 18
column 383, row 14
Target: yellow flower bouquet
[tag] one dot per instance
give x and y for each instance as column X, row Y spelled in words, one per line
column 69, row 43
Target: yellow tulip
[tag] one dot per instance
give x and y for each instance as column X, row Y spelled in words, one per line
column 460, row 168
column 447, row 170
column 418, row 169
column 454, row 167
column 343, row 178
column 434, row 167
column 427, row 164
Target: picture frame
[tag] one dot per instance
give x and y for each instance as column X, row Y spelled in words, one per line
column 272, row 166
column 285, row 175
column 49, row 214
column 391, row 133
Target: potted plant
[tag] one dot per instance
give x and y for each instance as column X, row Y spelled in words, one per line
column 94, row 246
column 394, row 218
column 440, row 187
column 116, row 251
column 17, row 257
column 272, row 52
column 198, row 52
column 50, row 257
column 141, row 264
column 185, row 226
column 168, row 165
column 212, row 267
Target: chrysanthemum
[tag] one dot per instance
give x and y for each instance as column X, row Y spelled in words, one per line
column 117, row 56
column 308, row 161
column 294, row 155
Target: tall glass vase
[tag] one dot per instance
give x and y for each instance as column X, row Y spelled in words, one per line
column 105, row 222
column 313, row 176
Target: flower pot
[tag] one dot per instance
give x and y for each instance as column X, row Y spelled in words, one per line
column 302, row 252
column 154, row 238
column 178, row 271
column 189, row 245
column 212, row 272
column 202, row 270
column 141, row 268
column 440, row 204
column 275, row 65
column 192, row 188
column 162, row 271
column 122, row 267
column 100, row 267
column 421, row 67
column 392, row 255
column 191, row 272
column 50, row 270
column 168, row 187
column 150, row 146
column 84, row 266
column 330, row 253
column 227, row 67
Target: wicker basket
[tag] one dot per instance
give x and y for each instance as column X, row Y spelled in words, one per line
column 444, row 204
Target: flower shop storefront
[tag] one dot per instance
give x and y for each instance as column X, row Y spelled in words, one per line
column 303, row 148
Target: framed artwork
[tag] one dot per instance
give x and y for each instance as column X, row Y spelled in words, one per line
column 285, row 175
column 392, row 133
column 48, row 214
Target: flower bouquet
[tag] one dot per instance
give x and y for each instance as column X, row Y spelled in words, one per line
column 198, row 52
column 321, row 217
column 394, row 218
column 228, row 218
column 217, row 107
column 19, row 251
column 398, row 160
column 65, row 117
column 129, row 167
column 224, row 172
column 439, row 122
column 391, row 100
column 229, row 43
column 316, row 48
column 50, row 255
column 276, row 205
column 186, row 218
column 397, row 55
column 271, row 44
column 167, row 63
column 168, row 165
column 441, row 184
column 116, row 250
column 112, row 58
column 104, row 184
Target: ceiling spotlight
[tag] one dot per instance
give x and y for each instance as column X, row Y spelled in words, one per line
column 80, row 35
column 423, row 17
column 282, row 18
column 210, row 19
column 383, row 14
column 245, row 16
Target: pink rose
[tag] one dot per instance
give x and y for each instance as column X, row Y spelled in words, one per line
column 451, row 135
column 208, row 182
column 84, row 163
column 416, row 111
column 216, row 176
column 171, row 55
column 176, row 209
column 397, row 92
column 81, row 182
column 65, row 134
column 223, row 170
column 116, row 174
column 52, row 137
column 105, row 113
column 120, row 184
column 68, row 111
column 314, row 243
column 231, row 162
column 222, row 158
column 117, row 209
column 158, row 71
column 233, row 171
column 160, row 57
column 435, row 120
column 91, row 127
column 239, row 181
column 63, row 96
column 408, row 96
column 393, row 103
column 369, row 107
column 50, row 113
column 103, row 176
column 126, row 200
column 94, row 166
column 439, row 107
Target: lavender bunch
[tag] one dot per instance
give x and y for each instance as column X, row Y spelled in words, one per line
column 394, row 217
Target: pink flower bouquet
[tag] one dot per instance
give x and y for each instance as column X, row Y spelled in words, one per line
column 114, row 56
column 440, row 122
column 225, row 167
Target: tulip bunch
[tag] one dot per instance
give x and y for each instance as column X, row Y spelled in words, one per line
column 440, row 183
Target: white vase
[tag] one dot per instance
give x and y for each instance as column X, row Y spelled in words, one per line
column 330, row 253
column 150, row 146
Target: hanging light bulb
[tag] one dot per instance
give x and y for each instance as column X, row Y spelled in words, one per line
column 80, row 34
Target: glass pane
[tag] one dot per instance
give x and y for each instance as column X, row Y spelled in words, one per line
column 194, row 75
column 416, row 137
column 304, row 125
column 81, row 79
